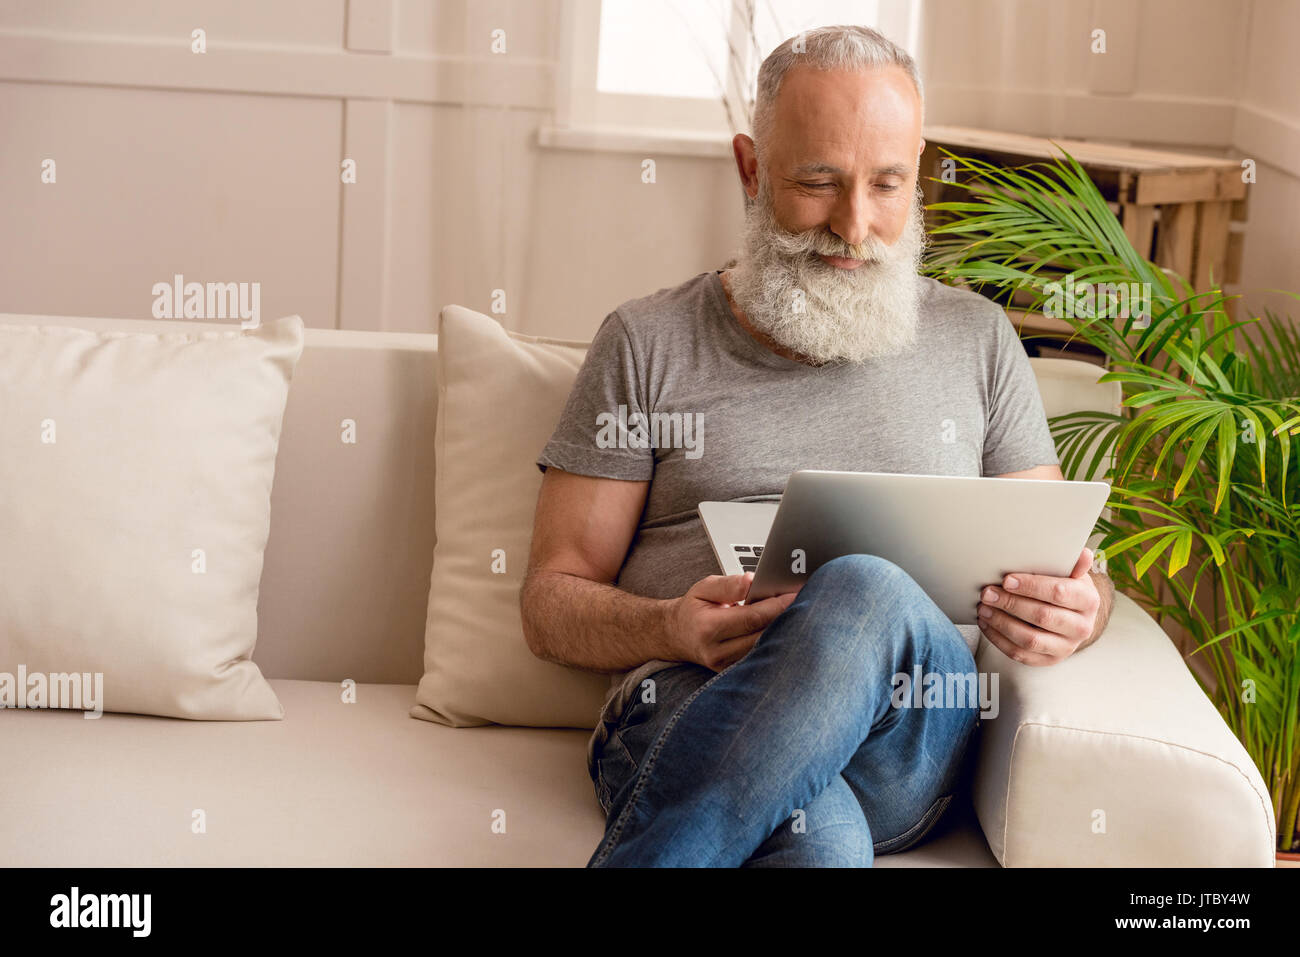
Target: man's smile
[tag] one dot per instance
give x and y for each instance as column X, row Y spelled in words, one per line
column 842, row 262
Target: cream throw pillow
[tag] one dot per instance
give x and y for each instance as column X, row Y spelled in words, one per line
column 499, row 397
column 135, row 500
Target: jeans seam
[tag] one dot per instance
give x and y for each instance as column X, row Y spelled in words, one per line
column 643, row 775
column 602, row 791
column 622, row 745
column 918, row 830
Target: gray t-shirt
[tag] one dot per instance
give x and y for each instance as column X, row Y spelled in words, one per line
column 962, row 401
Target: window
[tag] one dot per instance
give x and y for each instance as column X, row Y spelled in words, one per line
column 665, row 49
column 689, row 66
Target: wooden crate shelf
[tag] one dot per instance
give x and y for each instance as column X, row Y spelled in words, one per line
column 1178, row 210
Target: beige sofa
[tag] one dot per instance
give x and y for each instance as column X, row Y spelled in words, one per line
column 1114, row 758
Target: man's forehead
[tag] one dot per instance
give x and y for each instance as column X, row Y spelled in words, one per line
column 827, row 120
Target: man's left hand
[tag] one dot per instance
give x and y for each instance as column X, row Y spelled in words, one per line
column 1042, row 620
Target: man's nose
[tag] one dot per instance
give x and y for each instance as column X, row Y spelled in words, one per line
column 851, row 217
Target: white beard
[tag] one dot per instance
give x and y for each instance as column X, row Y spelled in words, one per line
column 816, row 310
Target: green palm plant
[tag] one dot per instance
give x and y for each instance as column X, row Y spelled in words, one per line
column 1204, row 519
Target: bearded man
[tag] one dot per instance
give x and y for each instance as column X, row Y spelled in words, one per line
column 763, row 734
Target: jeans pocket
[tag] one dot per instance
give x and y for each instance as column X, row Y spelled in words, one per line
column 614, row 768
column 918, row 831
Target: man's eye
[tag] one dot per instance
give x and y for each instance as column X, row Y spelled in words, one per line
column 887, row 187
column 819, row 185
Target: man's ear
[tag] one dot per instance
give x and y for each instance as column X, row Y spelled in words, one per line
column 746, row 163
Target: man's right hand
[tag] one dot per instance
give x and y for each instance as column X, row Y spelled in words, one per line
column 709, row 628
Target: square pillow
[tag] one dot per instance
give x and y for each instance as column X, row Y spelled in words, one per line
column 499, row 397
column 135, row 500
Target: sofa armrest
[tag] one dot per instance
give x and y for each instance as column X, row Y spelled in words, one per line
column 1116, row 758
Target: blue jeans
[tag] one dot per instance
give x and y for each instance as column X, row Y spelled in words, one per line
column 805, row 752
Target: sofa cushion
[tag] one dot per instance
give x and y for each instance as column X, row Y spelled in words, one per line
column 333, row 784
column 346, row 596
column 499, row 396
column 135, row 491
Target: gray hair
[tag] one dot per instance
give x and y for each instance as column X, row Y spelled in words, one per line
column 848, row 47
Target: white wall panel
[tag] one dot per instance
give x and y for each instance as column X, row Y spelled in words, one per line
column 1192, row 48
column 458, row 28
column 604, row 236
column 297, row 22
column 151, row 183
column 466, row 221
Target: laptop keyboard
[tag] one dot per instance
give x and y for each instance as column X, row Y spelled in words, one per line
column 748, row 555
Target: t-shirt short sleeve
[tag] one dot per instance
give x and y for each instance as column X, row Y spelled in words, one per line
column 592, row 437
column 1017, row 436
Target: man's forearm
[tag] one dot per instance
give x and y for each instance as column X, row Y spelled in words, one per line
column 1106, row 591
column 584, row 624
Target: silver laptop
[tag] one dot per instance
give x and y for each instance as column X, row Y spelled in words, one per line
column 953, row 535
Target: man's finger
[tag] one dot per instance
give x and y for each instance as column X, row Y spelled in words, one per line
column 1030, row 639
column 1083, row 565
column 1011, row 649
column 728, row 622
column 1077, row 594
column 723, row 588
column 759, row 615
column 1040, row 614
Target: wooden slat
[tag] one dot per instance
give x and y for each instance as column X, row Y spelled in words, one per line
column 1176, row 237
column 1236, row 245
column 1139, row 226
column 1127, row 183
column 1211, row 244
column 1099, row 154
column 930, row 168
column 1186, row 186
column 1241, row 208
column 1231, row 185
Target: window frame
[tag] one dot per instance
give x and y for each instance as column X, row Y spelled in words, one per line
column 579, row 105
